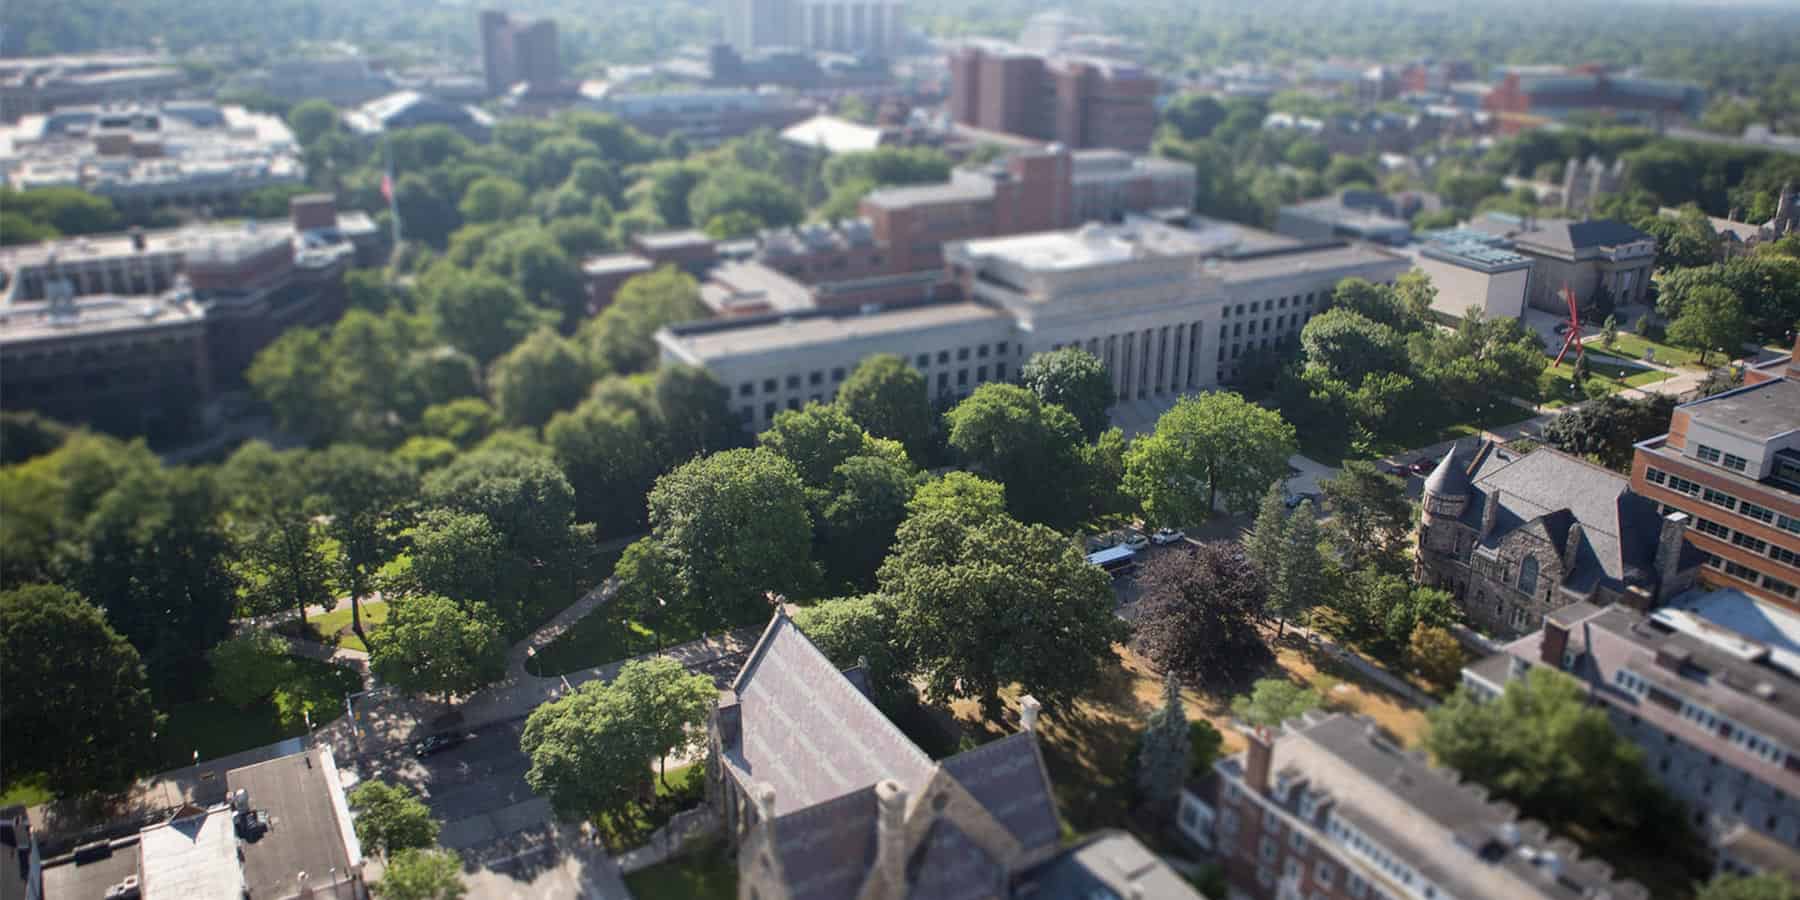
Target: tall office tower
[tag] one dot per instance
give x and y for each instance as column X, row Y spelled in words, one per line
column 862, row 27
column 513, row 51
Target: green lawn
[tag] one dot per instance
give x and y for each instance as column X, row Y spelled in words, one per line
column 216, row 728
column 604, row 636
column 1632, row 346
column 334, row 626
column 685, row 789
column 26, row 790
column 705, row 874
column 1318, row 447
column 1613, row 372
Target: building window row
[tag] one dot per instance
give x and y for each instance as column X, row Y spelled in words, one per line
column 1628, row 682
column 1724, row 727
column 1747, row 542
column 1674, row 483
column 1359, row 844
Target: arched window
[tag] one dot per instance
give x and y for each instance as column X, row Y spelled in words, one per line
column 1528, row 574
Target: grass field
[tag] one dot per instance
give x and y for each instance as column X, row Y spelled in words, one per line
column 216, row 728
column 1632, row 346
column 26, row 790
column 684, row 790
column 334, row 627
column 1609, row 370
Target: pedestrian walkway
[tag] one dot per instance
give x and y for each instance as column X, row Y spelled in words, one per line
column 343, row 656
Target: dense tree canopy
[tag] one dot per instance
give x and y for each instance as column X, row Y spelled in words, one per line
column 1208, row 449
column 1197, row 613
column 77, row 706
column 888, row 399
column 431, row 645
column 621, row 338
column 391, row 818
column 1075, row 380
column 1006, row 433
column 982, row 603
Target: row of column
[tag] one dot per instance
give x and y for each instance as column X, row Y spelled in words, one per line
column 1152, row 361
column 850, row 27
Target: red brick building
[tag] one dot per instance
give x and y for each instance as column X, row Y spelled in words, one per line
column 1732, row 463
column 1081, row 102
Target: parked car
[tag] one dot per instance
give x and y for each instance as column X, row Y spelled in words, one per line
column 1423, row 465
column 1294, row 500
column 1166, row 536
column 437, row 743
column 1136, row 541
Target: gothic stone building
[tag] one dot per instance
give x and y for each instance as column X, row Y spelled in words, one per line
column 1515, row 537
column 823, row 798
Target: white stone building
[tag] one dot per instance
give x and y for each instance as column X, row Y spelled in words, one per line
column 1169, row 310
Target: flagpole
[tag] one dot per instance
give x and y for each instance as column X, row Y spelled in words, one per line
column 390, row 190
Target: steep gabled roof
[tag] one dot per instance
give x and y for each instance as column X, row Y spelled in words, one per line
column 949, row 865
column 825, row 851
column 808, row 732
column 1549, row 490
column 1008, row 778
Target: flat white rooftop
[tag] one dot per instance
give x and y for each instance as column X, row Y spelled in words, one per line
column 1100, row 245
column 797, row 332
column 192, row 859
column 1744, row 615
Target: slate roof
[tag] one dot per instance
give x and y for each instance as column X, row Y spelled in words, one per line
column 1571, row 236
column 1007, row 778
column 825, row 851
column 951, row 866
column 1547, row 491
column 1451, row 477
column 808, row 731
column 1113, row 864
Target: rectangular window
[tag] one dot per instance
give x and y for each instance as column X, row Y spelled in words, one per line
column 1753, row 544
column 922, row 361
column 943, row 357
column 1682, row 485
column 962, row 377
column 943, row 382
column 1739, row 571
column 1357, row 886
column 1267, row 850
column 1780, row 587
column 793, row 382
column 999, row 371
column 1718, row 499
column 1736, row 463
column 769, row 385
column 1324, row 873
column 769, row 410
column 816, row 379
column 1784, row 555
column 1760, row 513
column 746, row 413
column 1291, row 869
column 980, row 374
column 1788, row 524
column 1708, row 454
column 837, row 375
column 747, row 389
column 1000, row 348
column 981, row 351
column 962, row 353
column 1655, row 476
column 793, row 403
column 1709, row 527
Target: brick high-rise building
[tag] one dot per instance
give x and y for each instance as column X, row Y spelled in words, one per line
column 1731, row 462
column 1080, row 102
column 514, row 50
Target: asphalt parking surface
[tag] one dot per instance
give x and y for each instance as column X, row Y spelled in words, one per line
column 477, row 788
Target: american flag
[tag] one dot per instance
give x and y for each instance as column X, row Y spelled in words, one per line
column 387, row 186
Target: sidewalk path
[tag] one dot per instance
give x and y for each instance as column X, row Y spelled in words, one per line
column 343, row 656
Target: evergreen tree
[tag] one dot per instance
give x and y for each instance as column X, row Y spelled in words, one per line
column 1267, row 537
column 1164, row 750
column 1301, row 580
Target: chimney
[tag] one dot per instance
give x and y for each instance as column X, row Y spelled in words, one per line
column 1571, row 547
column 1029, row 708
column 1260, row 755
column 763, row 797
column 1554, row 643
column 890, row 835
column 1669, row 545
column 313, row 211
column 137, row 238
column 1488, row 510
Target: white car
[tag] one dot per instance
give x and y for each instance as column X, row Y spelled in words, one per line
column 1165, row 536
column 1137, row 541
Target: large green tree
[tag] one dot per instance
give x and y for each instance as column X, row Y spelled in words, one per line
column 1207, row 448
column 591, row 751
column 1272, row 701
column 545, row 374
column 1302, row 579
column 735, row 525
column 1712, row 318
column 1164, row 750
column 622, row 338
column 983, row 603
column 250, row 667
column 1608, row 429
column 863, row 507
column 816, row 439
column 155, row 555
column 77, row 706
column 860, row 630
column 415, row 874
column 476, row 312
column 366, row 497
column 1370, row 516
column 1006, row 433
column 1545, row 748
column 1075, row 380
column 433, row 645
column 391, row 818
column 888, row 399
column 281, row 555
